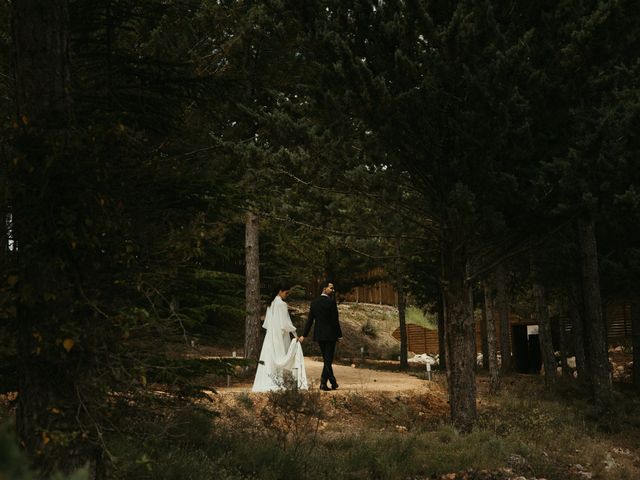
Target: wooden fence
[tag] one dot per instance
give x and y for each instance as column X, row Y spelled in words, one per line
column 422, row 340
column 419, row 339
column 377, row 290
column 381, row 293
column 618, row 315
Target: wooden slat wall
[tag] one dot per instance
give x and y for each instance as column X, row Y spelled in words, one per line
column 381, row 293
column 421, row 340
column 618, row 315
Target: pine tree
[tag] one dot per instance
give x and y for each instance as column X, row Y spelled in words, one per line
column 585, row 48
column 109, row 209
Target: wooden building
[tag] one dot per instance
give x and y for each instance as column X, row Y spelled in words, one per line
column 374, row 290
column 619, row 322
column 422, row 340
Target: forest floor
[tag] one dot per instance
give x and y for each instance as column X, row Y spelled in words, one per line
column 382, row 423
column 525, row 432
column 385, row 423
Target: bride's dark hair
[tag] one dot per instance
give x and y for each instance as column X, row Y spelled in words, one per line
column 278, row 288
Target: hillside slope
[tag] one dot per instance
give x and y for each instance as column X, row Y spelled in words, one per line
column 364, row 326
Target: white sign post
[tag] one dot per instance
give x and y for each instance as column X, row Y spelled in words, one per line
column 233, row 354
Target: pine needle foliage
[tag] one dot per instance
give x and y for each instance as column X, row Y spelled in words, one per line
column 115, row 225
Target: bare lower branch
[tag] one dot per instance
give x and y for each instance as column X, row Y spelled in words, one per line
column 339, row 233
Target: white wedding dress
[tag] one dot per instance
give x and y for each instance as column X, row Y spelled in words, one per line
column 281, row 360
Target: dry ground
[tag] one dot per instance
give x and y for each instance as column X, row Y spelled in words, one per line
column 371, row 402
column 355, row 379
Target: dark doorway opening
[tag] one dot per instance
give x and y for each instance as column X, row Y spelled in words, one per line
column 526, row 348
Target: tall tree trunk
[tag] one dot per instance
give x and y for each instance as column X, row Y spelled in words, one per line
column 404, row 364
column 442, row 350
column 577, row 331
column 564, row 348
column 492, row 354
column 544, row 326
column 596, row 332
column 252, row 287
column 566, row 371
column 635, row 331
column 483, row 333
column 503, row 313
column 459, row 338
column 40, row 39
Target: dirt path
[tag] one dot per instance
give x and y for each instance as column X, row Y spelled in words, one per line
column 357, row 379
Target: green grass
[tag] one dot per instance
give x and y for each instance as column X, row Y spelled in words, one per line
column 418, row 317
column 387, row 455
column 528, row 429
column 14, row 464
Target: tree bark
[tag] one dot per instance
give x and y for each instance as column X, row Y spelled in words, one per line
column 442, row 350
column 635, row 332
column 566, row 372
column 404, row 363
column 503, row 313
column 596, row 332
column 577, row 332
column 544, row 326
column 459, row 338
column 564, row 348
column 252, row 287
column 40, row 40
column 483, row 332
column 492, row 354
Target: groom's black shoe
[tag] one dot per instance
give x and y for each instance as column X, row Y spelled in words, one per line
column 334, row 386
column 324, row 388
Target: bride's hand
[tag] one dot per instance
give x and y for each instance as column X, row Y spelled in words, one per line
column 300, row 338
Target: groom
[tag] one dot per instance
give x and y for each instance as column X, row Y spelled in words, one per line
column 324, row 312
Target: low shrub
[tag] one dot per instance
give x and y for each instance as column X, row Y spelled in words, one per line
column 15, row 466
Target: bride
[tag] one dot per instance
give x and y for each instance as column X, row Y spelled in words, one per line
column 281, row 362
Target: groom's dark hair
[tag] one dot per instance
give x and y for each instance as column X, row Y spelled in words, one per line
column 325, row 284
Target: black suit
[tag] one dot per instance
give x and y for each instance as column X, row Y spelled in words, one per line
column 326, row 331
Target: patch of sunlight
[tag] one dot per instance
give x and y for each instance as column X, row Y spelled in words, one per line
column 418, row 317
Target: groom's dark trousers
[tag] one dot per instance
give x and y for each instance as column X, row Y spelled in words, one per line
column 323, row 316
column 328, row 349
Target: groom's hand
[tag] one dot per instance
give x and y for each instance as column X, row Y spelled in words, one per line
column 301, row 339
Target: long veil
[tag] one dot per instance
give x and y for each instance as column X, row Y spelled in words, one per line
column 281, row 362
